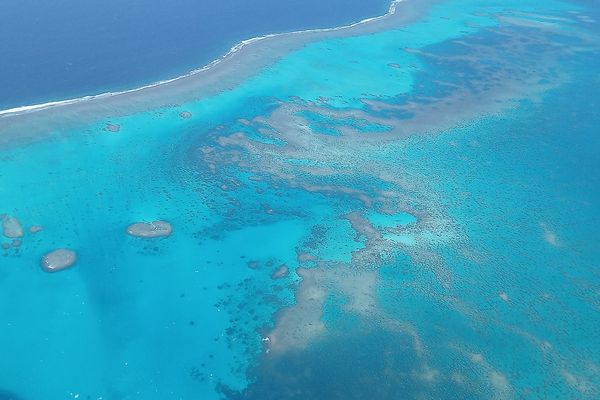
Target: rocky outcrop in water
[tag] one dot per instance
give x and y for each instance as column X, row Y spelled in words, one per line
column 58, row 260
column 153, row 229
column 280, row 272
column 11, row 227
column 113, row 128
column 35, row 229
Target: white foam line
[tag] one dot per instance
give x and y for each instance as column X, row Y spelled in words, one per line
column 231, row 52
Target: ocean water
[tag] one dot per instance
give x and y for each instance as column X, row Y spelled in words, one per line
column 91, row 47
column 431, row 190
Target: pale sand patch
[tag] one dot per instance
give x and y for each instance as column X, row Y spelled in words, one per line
column 578, row 383
column 360, row 287
column 495, row 378
column 427, row 374
column 499, row 381
column 298, row 325
column 458, row 378
column 549, row 235
column 477, row 358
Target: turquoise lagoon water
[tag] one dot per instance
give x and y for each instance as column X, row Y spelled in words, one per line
column 432, row 190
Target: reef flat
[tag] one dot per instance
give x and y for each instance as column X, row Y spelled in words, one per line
column 76, row 53
column 404, row 207
column 243, row 61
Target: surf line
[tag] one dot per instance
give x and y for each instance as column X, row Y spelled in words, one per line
column 53, row 104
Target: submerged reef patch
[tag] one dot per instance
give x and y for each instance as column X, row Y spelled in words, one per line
column 35, row 229
column 58, row 260
column 112, row 128
column 320, row 147
column 359, row 364
column 11, row 227
column 281, row 272
column 153, row 229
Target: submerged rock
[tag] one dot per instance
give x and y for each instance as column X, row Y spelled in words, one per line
column 114, row 128
column 35, row 229
column 302, row 257
column 185, row 114
column 280, row 272
column 12, row 228
column 58, row 260
column 150, row 229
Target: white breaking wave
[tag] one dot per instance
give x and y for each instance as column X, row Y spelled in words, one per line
column 230, row 53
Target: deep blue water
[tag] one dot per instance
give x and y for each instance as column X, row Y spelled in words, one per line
column 69, row 48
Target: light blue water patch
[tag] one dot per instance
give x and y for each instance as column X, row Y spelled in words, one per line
column 381, row 220
column 259, row 134
column 405, row 239
column 319, row 124
column 337, row 242
column 301, row 162
column 325, row 125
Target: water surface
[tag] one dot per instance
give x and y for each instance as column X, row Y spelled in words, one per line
column 431, row 190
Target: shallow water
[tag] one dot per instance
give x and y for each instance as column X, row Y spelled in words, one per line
column 432, row 189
